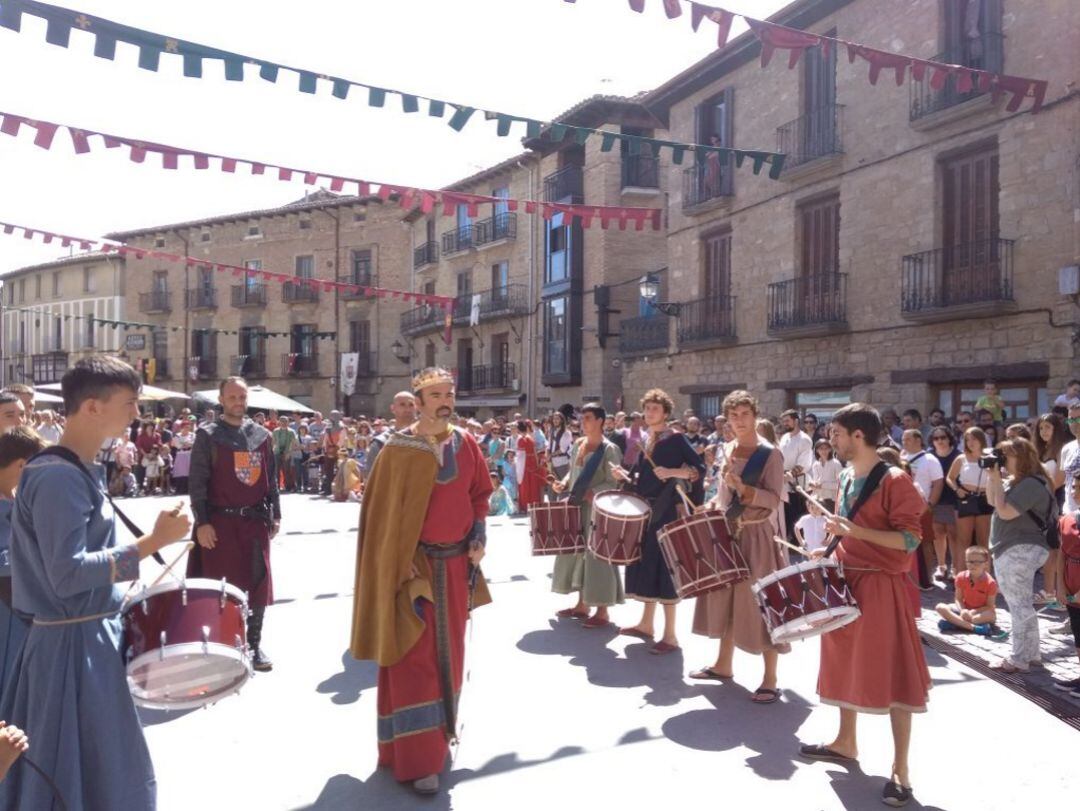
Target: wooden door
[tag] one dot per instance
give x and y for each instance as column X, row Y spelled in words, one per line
column 969, row 268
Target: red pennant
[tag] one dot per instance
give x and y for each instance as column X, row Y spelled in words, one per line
column 363, row 189
column 228, row 164
column 11, row 124
column 777, row 36
column 201, row 161
column 79, row 141
column 511, row 205
column 45, row 134
column 311, row 178
column 169, row 159
column 112, row 143
column 337, row 183
column 673, row 8
column 284, row 174
column 723, row 20
column 138, row 154
column 530, row 207
column 258, row 168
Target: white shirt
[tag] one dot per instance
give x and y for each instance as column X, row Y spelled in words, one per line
column 797, row 449
column 1064, row 400
column 925, row 470
column 826, row 476
column 50, row 433
column 812, row 528
column 1070, row 456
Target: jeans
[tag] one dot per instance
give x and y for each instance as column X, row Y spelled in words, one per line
column 1015, row 570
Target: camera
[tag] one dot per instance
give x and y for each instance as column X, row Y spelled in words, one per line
column 994, row 458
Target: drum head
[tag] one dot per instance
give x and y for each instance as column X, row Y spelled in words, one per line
column 187, row 676
column 617, row 503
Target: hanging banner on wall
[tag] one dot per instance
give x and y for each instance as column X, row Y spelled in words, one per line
column 350, row 362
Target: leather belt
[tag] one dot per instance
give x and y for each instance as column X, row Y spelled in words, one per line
column 242, row 512
column 442, row 551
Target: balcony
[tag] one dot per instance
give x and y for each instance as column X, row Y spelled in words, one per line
column 367, row 365
column 486, row 378
column 707, row 321
column 202, row 298
column 927, row 102
column 250, row 366
column 501, row 226
column 426, row 254
column 295, row 293
column 964, row 280
column 156, row 301
column 419, row 320
column 206, row 367
column 359, row 278
column 299, row 364
column 643, row 335
column 640, row 172
column 815, row 304
column 707, row 183
column 249, row 295
column 460, row 239
column 814, row 136
column 499, row 302
column 564, row 186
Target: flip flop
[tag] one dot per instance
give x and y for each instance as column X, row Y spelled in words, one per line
column 569, row 612
column 594, row 622
column 772, row 695
column 660, row 648
column 817, row 751
column 708, row 674
column 636, row 633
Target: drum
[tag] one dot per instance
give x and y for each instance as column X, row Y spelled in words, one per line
column 555, row 528
column 804, row 600
column 185, row 644
column 701, row 554
column 618, row 525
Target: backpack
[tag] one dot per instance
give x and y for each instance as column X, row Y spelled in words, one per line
column 1049, row 525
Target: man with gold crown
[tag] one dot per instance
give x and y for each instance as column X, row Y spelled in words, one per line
column 421, row 540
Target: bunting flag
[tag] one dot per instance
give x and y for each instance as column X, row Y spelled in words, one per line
column 61, row 21
column 775, row 37
column 444, row 302
column 408, row 197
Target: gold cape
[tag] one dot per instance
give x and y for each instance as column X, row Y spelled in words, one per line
column 385, row 624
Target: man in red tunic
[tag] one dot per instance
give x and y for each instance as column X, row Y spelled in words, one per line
column 875, row 664
column 421, row 540
column 234, row 496
column 531, row 486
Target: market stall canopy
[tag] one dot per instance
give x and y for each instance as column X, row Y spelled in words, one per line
column 261, row 398
column 45, row 397
column 152, row 393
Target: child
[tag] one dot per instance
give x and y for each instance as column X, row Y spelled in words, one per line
column 810, row 529
column 152, row 480
column 991, row 401
column 124, row 484
column 975, row 593
column 16, row 446
column 824, row 474
column 166, row 469
column 348, row 479
column 500, row 502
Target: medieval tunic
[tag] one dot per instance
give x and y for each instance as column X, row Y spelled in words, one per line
column 531, row 486
column 424, row 501
column 13, row 628
column 876, row 663
column 233, row 467
column 648, row 580
column 734, row 610
column 69, row 690
column 597, row 580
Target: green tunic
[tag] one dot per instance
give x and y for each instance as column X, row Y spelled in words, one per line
column 598, row 581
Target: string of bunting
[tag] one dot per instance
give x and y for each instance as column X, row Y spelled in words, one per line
column 151, row 45
column 446, row 303
column 775, row 37
column 407, row 196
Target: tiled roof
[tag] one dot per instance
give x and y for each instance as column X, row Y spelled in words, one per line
column 77, row 259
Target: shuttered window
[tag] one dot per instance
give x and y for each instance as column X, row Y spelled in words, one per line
column 820, row 236
column 716, row 279
column 360, row 336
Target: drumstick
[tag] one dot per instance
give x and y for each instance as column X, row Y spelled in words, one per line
column 168, row 569
column 792, row 546
column 686, row 500
column 817, row 503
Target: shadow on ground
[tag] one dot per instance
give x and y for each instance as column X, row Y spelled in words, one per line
column 355, row 677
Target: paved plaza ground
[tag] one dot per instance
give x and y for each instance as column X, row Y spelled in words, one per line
column 560, row 717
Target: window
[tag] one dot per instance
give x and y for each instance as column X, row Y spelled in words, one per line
column 429, row 355
column 429, row 230
column 819, row 402
column 89, row 337
column 359, row 216
column 206, row 280
column 49, row 368
column 819, row 78
column 58, row 334
column 360, row 337
column 161, row 281
column 11, row 293
column 970, row 197
column 819, row 225
column 714, row 125
column 56, row 283
column 252, row 342
column 361, row 267
column 305, row 225
column 22, row 290
column 253, row 231
column 203, row 345
column 464, row 283
column 972, row 34
column 204, row 236
column 88, row 280
column 159, row 242
column 556, row 349
column 716, row 272
column 37, row 286
column 305, row 267
column 251, row 280
column 500, row 206
column 640, row 169
column 558, row 250
column 303, row 340
column 500, row 278
column 706, row 405
column 1023, row 399
column 160, row 344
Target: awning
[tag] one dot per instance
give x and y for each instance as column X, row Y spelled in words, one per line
column 489, row 402
column 261, row 398
column 45, row 397
column 152, row 393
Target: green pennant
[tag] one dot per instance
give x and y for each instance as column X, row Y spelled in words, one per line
column 759, row 161
column 607, row 141
column 503, row 127
column 556, row 132
column 677, row 152
column 57, row 31
column 308, row 82
column 104, row 46
column 533, row 128
column 341, row 88
column 701, row 153
column 192, row 66
column 149, row 57
column 268, row 71
column 436, row 108
column 777, row 166
column 581, row 135
column 409, row 103
column 234, row 69
column 740, row 156
column 633, row 144
column 460, row 117
column 376, row 97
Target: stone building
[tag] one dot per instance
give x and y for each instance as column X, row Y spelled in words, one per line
column 324, row 236
column 913, row 245
column 50, row 312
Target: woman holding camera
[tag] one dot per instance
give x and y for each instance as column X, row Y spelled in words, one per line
column 968, row 479
column 1024, row 506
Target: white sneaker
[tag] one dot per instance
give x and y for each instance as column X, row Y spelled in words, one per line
column 426, row 785
column 1062, row 629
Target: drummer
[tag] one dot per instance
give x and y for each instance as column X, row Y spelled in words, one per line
column 751, row 494
column 597, row 582
column 667, row 461
column 69, row 691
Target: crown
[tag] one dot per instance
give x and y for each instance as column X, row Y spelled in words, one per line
column 431, row 377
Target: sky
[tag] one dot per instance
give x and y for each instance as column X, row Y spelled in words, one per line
column 529, row 57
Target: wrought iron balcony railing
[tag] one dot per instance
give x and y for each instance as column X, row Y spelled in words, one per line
column 973, row 273
column 934, row 93
column 156, row 301
column 426, row 254
column 644, row 334
column 707, row 319
column 299, row 364
column 249, row 295
column 459, row 239
column 357, row 279
column 708, row 181
column 252, row 366
column 499, row 226
column 296, row 293
column 499, row 302
column 640, row 171
column 566, row 183
column 812, row 136
column 206, row 366
column 202, row 298
column 422, row 319
column 814, row 300
column 490, row 376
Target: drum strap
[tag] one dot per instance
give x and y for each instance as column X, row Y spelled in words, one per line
column 873, row 479
column 751, row 475
column 592, row 464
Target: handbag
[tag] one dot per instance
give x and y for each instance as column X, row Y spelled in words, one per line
column 973, row 503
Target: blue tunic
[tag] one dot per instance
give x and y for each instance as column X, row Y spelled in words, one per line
column 68, row 689
column 12, row 627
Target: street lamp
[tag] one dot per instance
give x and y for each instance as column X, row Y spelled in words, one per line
column 649, row 287
column 401, row 352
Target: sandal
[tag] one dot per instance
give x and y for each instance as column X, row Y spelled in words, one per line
column 896, row 795
column 708, row 674
column 660, row 648
column 1007, row 666
column 770, row 695
column 818, row 751
column 596, row 622
column 570, row 612
column 636, row 632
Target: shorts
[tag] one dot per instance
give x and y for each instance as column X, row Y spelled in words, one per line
column 944, row 513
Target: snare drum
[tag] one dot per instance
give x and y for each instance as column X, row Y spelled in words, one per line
column 804, row 600
column 555, row 528
column 618, row 525
column 701, row 554
column 185, row 644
